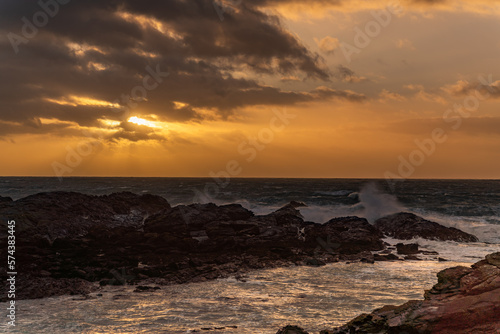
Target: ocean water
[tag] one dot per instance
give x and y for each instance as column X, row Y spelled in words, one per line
column 471, row 205
column 315, row 298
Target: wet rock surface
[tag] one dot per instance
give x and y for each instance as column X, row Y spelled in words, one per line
column 465, row 300
column 406, row 226
column 407, row 249
column 291, row 330
column 70, row 243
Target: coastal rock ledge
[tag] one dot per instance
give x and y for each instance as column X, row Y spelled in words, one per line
column 465, row 300
column 72, row 243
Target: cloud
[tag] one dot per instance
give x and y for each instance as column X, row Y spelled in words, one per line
column 465, row 88
column 326, row 92
column 386, row 96
column 295, row 9
column 427, row 96
column 347, row 75
column 100, row 51
column 327, row 44
column 414, row 87
column 134, row 132
column 290, row 78
column 405, row 44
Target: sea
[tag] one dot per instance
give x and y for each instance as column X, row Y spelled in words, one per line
column 315, row 298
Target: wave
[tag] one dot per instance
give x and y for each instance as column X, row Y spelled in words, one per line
column 451, row 250
column 335, row 193
column 486, row 228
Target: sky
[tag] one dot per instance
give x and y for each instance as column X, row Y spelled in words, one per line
column 250, row 88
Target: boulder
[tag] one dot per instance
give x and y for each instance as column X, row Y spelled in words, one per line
column 291, row 330
column 194, row 217
column 385, row 257
column 346, row 235
column 407, row 249
column 406, row 226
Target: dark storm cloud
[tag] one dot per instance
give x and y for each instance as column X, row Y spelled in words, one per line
column 346, row 74
column 134, row 132
column 120, row 41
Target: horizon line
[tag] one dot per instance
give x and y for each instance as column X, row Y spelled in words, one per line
column 255, row 177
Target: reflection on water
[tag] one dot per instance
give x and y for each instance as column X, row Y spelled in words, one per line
column 315, row 298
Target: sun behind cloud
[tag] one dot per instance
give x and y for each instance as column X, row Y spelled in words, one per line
column 142, row 121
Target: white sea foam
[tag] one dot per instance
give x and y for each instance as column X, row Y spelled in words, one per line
column 315, row 298
column 478, row 226
column 451, row 250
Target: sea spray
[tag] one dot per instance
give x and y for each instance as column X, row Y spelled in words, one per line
column 377, row 204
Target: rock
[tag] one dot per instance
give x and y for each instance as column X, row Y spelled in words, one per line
column 407, row 249
column 428, row 252
column 345, row 235
column 314, row 262
column 125, row 238
column 194, row 217
column 493, row 259
column 465, row 300
column 385, row 257
column 30, row 287
column 59, row 214
column 440, row 259
column 5, row 199
column 407, row 226
column 412, row 258
column 142, row 288
column 288, row 214
column 365, row 260
column 291, row 330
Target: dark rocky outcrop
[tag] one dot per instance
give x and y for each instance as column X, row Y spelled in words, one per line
column 347, row 235
column 124, row 238
column 406, row 226
column 465, row 300
column 407, row 249
column 72, row 239
column 69, row 214
column 386, row 257
column 291, row 330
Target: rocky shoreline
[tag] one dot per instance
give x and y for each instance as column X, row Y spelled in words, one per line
column 465, row 300
column 70, row 243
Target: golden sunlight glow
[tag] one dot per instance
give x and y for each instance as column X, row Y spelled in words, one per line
column 143, row 20
column 179, row 105
column 142, row 121
column 76, row 101
column 109, row 123
column 150, row 22
column 81, row 49
column 98, row 66
column 297, row 11
column 55, row 121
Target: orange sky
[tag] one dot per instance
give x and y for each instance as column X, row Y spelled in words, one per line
column 287, row 88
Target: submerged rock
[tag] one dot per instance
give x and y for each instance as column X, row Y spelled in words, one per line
column 406, row 226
